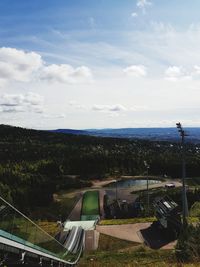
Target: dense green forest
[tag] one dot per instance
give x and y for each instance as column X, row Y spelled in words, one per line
column 35, row 164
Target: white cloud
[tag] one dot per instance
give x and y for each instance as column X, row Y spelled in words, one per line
column 117, row 108
column 134, row 15
column 139, row 108
column 3, row 83
column 109, row 108
column 30, row 102
column 82, row 72
column 18, row 65
column 12, row 109
column 99, row 108
column 11, row 100
column 64, row 73
column 162, row 28
column 33, row 99
column 158, row 46
column 77, row 106
column 136, row 71
column 36, row 109
column 196, row 70
column 176, row 73
column 54, row 116
column 162, row 45
column 143, row 4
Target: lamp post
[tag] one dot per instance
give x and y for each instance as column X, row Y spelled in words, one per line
column 184, row 195
column 147, row 167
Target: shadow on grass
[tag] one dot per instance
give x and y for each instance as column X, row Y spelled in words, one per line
column 156, row 238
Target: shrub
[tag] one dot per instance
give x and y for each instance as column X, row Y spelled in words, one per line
column 188, row 245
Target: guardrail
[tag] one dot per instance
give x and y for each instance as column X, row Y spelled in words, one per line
column 19, row 232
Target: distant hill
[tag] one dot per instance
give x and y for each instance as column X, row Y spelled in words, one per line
column 71, row 131
column 153, row 134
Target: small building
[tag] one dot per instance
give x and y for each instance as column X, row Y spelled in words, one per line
column 123, row 209
column 86, row 225
column 168, row 214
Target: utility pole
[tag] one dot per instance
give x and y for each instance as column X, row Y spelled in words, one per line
column 147, row 167
column 184, row 194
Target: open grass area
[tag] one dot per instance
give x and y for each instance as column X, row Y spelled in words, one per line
column 110, row 243
column 133, row 259
column 114, row 252
column 127, row 221
column 50, row 227
column 90, row 205
column 194, row 219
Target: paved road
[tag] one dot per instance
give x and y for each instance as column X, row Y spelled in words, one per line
column 138, row 232
column 158, row 185
column 125, row 231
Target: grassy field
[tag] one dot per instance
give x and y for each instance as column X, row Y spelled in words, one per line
column 127, row 221
column 113, row 252
column 90, row 205
column 192, row 219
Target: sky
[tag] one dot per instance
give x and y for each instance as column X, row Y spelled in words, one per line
column 99, row 63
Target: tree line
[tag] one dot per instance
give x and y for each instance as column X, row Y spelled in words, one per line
column 39, row 163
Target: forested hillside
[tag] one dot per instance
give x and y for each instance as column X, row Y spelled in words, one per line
column 35, row 164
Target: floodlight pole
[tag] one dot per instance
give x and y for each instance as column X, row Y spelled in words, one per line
column 116, row 193
column 184, row 194
column 147, row 166
column 115, row 181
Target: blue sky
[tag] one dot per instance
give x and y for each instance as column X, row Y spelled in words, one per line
column 96, row 64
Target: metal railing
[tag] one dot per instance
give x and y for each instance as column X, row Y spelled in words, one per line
column 24, row 233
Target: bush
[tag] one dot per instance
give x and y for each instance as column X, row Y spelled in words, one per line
column 195, row 209
column 188, row 245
